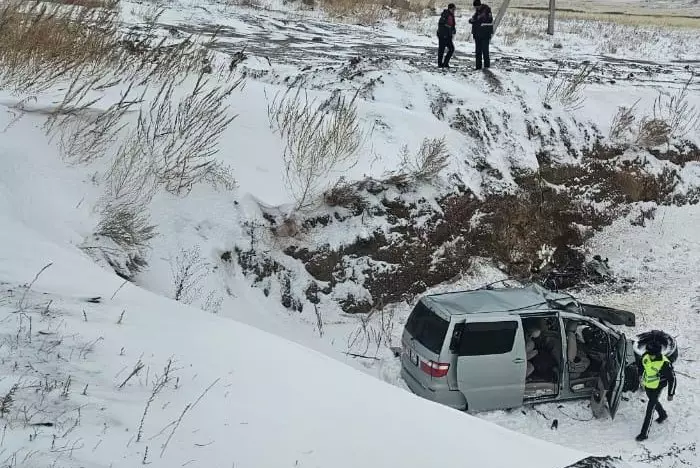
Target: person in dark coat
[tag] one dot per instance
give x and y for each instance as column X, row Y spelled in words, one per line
column 482, row 30
column 445, row 33
column 658, row 374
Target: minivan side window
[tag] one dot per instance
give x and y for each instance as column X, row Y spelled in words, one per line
column 487, row 338
column 427, row 327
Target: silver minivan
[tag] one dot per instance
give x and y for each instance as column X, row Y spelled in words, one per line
column 499, row 348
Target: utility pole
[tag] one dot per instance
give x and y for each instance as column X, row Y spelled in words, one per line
column 499, row 15
column 550, row 21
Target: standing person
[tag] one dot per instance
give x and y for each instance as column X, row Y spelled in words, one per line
column 445, row 32
column 658, row 373
column 482, row 30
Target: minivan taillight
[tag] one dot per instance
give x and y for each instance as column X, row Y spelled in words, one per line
column 434, row 369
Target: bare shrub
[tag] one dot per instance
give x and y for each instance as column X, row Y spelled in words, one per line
column 213, row 302
column 671, row 116
column 319, row 139
column 182, row 139
column 567, row 90
column 130, row 178
column 653, row 132
column 682, row 117
column 158, row 385
column 127, row 225
column 623, row 122
column 188, row 270
column 84, row 138
column 344, row 194
column 427, row 163
column 122, row 238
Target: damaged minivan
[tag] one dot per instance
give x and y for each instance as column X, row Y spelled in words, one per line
column 499, row 348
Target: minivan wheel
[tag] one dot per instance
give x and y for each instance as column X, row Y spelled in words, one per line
column 668, row 344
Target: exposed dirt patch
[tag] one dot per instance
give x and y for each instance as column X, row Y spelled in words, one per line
column 688, row 152
column 425, row 244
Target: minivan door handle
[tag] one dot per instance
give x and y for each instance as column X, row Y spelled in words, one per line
column 518, row 360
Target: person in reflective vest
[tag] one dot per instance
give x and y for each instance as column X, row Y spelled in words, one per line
column 658, row 374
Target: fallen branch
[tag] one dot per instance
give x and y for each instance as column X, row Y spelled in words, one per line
column 182, row 415
column 26, row 291
column 137, row 368
column 362, row 356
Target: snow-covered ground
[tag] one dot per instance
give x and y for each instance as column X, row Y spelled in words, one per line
column 238, row 396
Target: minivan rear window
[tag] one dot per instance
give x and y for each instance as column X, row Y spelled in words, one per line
column 427, row 327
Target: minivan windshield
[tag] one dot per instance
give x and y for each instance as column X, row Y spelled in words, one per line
column 428, row 328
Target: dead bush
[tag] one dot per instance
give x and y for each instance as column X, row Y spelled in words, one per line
column 83, row 139
column 681, row 116
column 188, row 269
column 623, row 122
column 319, row 139
column 182, row 139
column 427, row 163
column 567, row 90
column 127, row 225
column 121, row 239
column 653, row 132
column 131, row 177
column 345, row 194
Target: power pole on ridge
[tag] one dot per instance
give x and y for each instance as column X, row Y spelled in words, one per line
column 550, row 21
column 499, row 15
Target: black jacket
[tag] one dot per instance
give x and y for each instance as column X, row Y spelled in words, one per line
column 446, row 25
column 482, row 22
column 668, row 377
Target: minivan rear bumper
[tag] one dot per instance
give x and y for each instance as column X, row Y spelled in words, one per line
column 453, row 398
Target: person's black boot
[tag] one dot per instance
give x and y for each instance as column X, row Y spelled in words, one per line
column 640, row 438
column 662, row 418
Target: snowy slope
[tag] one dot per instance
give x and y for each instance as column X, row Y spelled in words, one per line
column 274, row 402
column 236, row 396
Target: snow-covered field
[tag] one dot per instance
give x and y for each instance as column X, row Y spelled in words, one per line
column 238, row 379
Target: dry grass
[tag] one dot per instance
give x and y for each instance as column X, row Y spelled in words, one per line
column 608, row 34
column 345, row 194
column 653, row 132
column 182, row 138
column 642, row 20
column 41, row 43
column 372, row 11
column 682, row 117
column 320, row 138
column 623, row 122
column 426, row 164
column 672, row 116
column 567, row 90
column 151, row 137
column 107, row 4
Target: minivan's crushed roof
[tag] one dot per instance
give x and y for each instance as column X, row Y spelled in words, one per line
column 529, row 298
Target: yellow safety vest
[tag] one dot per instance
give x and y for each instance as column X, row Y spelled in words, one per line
column 652, row 378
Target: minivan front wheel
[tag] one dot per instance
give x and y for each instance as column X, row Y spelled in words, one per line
column 668, row 345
